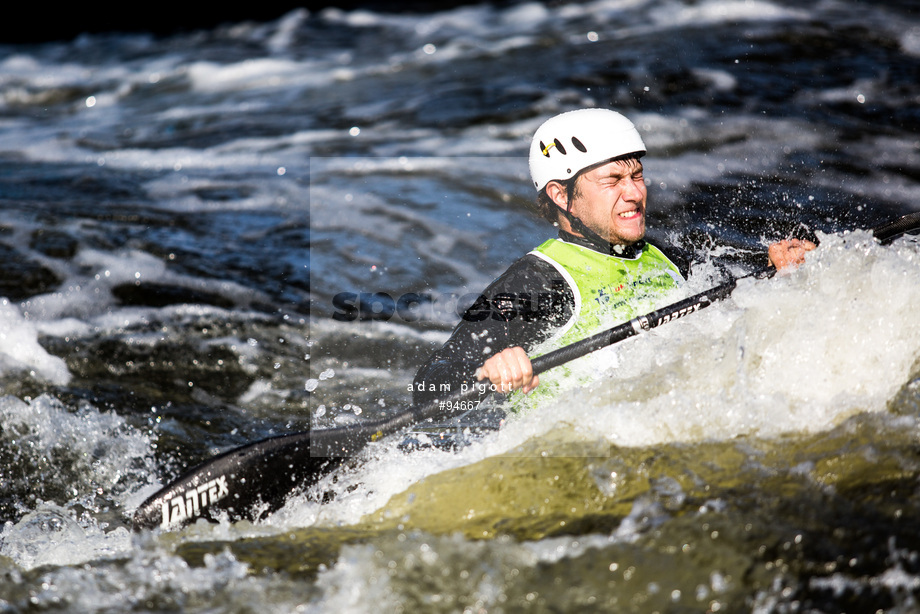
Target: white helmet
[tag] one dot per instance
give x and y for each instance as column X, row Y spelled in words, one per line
column 570, row 142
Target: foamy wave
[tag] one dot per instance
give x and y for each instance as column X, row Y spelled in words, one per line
column 799, row 353
column 21, row 352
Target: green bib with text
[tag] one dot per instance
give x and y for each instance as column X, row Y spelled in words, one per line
column 608, row 289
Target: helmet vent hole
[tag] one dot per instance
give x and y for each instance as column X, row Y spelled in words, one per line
column 544, row 149
column 579, row 145
column 559, row 146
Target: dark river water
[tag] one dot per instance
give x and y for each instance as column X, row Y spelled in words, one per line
column 179, row 212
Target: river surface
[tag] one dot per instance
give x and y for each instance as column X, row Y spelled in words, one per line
column 179, row 213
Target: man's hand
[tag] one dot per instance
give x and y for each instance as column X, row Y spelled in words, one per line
column 790, row 252
column 509, row 370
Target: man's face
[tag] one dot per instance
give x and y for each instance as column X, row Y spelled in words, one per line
column 610, row 200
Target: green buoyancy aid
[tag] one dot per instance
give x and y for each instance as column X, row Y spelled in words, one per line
column 608, row 290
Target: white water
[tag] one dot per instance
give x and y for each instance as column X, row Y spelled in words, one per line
column 101, row 454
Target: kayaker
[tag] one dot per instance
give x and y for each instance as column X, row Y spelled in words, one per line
column 586, row 167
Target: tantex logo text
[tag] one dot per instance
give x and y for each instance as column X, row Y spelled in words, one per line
column 189, row 504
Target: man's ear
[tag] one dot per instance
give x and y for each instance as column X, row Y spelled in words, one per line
column 558, row 194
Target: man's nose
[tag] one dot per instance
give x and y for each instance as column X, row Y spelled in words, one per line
column 633, row 190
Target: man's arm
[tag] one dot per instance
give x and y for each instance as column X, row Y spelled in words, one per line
column 518, row 310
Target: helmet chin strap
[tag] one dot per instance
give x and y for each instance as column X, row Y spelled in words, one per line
column 581, row 228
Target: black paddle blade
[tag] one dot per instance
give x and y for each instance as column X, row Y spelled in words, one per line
column 246, row 483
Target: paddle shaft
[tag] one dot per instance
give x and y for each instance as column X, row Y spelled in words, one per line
column 235, row 482
column 637, row 325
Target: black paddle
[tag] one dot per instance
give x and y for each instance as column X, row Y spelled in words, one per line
column 254, row 480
